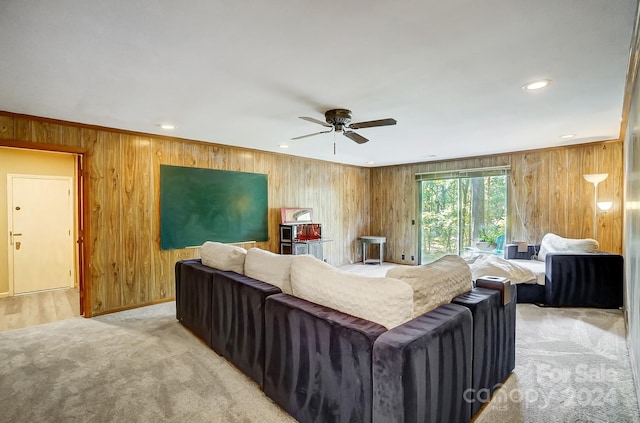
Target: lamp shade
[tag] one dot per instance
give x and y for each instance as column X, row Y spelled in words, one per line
column 605, row 205
column 595, row 178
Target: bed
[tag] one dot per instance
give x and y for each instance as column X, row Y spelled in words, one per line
column 546, row 275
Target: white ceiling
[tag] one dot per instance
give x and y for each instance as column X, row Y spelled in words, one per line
column 241, row 72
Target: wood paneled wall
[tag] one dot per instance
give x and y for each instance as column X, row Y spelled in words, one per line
column 127, row 266
column 547, row 193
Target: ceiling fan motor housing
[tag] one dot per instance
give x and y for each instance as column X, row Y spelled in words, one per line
column 338, row 118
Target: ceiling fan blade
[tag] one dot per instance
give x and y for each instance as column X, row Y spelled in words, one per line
column 371, row 123
column 353, row 136
column 311, row 135
column 319, row 122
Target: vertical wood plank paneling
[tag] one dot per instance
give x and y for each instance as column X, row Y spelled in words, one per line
column 543, row 202
column 46, row 132
column 575, row 212
column 22, row 129
column 88, row 138
column 344, row 211
column 558, row 180
column 113, row 240
column 610, row 222
column 99, row 231
column 249, row 161
column 616, row 161
column 6, row 128
column 144, row 190
column 515, row 215
column 265, row 164
column 129, row 214
column 235, row 161
column 351, row 200
column 335, row 250
column 163, row 270
column 527, row 198
column 589, row 165
column 605, row 193
column 218, row 158
column 71, row 136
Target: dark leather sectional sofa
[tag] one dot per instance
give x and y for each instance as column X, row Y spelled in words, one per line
column 322, row 365
column 573, row 279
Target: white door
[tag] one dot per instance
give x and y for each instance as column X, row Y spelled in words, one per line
column 41, row 254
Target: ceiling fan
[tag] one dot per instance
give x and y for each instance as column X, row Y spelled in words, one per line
column 338, row 120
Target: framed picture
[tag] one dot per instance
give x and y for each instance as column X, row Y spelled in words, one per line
column 293, row 215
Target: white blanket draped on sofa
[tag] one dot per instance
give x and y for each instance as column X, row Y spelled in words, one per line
column 518, row 271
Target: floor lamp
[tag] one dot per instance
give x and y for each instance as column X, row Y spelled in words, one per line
column 595, row 179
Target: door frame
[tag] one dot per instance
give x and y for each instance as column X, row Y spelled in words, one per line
column 10, row 178
column 82, row 212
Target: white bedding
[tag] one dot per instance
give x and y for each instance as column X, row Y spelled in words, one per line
column 536, row 266
column 518, row 271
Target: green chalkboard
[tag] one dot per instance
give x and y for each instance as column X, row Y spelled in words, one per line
column 198, row 205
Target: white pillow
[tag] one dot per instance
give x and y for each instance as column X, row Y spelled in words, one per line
column 223, row 256
column 552, row 243
column 269, row 267
column 386, row 301
column 435, row 283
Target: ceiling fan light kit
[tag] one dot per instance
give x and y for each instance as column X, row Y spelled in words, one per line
column 339, row 120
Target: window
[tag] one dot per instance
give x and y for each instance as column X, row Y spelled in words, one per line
column 462, row 212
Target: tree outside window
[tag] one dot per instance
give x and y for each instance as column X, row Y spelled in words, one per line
column 458, row 212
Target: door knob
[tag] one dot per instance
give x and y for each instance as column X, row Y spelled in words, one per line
column 13, row 235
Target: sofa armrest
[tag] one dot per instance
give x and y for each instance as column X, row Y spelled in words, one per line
column 584, row 280
column 237, row 314
column 494, row 340
column 511, row 252
column 422, row 368
column 194, row 284
column 318, row 361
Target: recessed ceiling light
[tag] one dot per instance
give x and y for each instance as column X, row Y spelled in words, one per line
column 283, row 146
column 370, row 162
column 167, row 126
column 536, row 85
column 567, row 136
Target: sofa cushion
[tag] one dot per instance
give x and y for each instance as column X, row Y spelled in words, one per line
column 223, row 256
column 385, row 301
column 552, row 243
column 269, row 267
column 435, row 283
